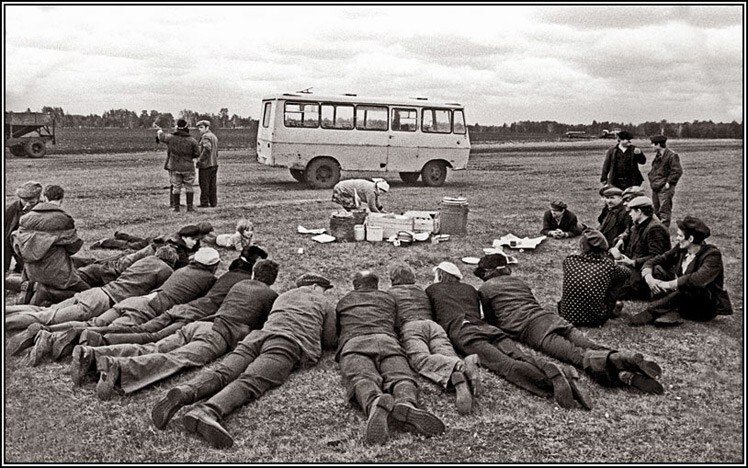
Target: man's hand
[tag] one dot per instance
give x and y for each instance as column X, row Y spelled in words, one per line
column 615, row 252
column 655, row 285
column 624, row 260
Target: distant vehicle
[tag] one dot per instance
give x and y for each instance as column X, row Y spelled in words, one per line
column 317, row 136
column 610, row 134
column 578, row 135
column 27, row 133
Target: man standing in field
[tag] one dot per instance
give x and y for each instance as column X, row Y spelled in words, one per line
column 663, row 176
column 182, row 149
column 207, row 165
column 621, row 166
column 28, row 197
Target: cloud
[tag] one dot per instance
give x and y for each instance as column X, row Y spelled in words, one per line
column 633, row 17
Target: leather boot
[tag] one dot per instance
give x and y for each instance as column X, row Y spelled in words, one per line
column 596, row 364
column 175, row 202
column 190, row 199
column 167, row 406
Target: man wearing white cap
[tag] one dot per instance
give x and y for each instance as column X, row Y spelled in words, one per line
column 360, row 193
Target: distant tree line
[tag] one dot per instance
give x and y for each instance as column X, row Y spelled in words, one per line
column 124, row 118
column 695, row 129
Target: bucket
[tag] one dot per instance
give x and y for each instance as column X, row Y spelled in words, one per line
column 359, row 232
column 453, row 218
column 374, row 233
column 341, row 227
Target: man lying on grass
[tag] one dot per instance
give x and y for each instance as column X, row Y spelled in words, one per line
column 300, row 322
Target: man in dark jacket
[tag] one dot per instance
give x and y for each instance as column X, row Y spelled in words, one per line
column 28, row 197
column 560, row 223
column 207, row 165
column 614, row 218
column 45, row 240
column 647, row 238
column 691, row 277
column 182, row 150
column 621, row 166
column 663, row 176
column 375, row 371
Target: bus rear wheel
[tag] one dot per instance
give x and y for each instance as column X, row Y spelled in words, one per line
column 322, row 173
column 297, row 174
column 410, row 177
column 17, row 150
column 434, row 173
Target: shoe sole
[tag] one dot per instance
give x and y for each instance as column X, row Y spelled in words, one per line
column 422, row 421
column 472, row 367
column 64, row 345
column 650, row 368
column 38, row 353
column 579, row 393
column 105, row 387
column 21, row 342
column 80, row 365
column 562, row 392
column 211, row 434
column 464, row 400
column 377, row 430
column 647, row 385
column 166, row 408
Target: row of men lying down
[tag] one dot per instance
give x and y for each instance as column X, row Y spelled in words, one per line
column 192, row 318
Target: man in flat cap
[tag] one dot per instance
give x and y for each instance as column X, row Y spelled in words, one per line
column 647, row 238
column 688, row 280
column 207, row 165
column 614, row 218
column 589, row 279
column 663, row 176
column 301, row 322
column 373, row 365
column 182, row 150
column 509, row 304
column 353, row 194
column 560, row 223
column 28, row 197
column 621, row 166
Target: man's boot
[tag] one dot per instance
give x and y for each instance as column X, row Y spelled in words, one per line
column 82, row 364
column 171, row 196
column 580, row 394
column 472, row 372
column 596, row 364
column 175, row 202
column 190, row 199
column 463, row 400
column 634, row 362
column 167, row 406
column 204, row 422
column 377, row 430
column 562, row 391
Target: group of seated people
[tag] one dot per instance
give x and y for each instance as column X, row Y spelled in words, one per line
column 145, row 316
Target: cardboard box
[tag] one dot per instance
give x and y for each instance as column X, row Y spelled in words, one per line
column 390, row 223
column 425, row 221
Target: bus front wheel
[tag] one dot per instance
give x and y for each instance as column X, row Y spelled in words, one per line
column 434, row 173
column 410, row 177
column 322, row 173
column 297, row 174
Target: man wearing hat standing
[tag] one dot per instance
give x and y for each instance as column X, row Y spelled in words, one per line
column 647, row 238
column 28, row 197
column 182, row 149
column 207, row 165
column 663, row 176
column 689, row 278
column 560, row 223
column 509, row 304
column 301, row 322
column 614, row 218
column 353, row 194
column 589, row 279
column 621, row 166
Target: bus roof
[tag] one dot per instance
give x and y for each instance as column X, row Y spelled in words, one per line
column 352, row 98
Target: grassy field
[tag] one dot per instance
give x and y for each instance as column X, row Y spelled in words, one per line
column 699, row 419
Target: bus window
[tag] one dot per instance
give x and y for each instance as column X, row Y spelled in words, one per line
column 459, row 120
column 436, row 121
column 266, row 114
column 371, row 118
column 404, row 120
column 301, row 114
column 337, row 116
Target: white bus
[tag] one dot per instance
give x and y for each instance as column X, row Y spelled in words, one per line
column 318, row 136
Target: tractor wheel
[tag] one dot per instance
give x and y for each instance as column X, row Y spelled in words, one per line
column 17, row 150
column 410, row 177
column 35, row 148
column 297, row 174
column 322, row 173
column 434, row 173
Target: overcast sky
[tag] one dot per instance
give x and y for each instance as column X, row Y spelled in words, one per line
column 570, row 64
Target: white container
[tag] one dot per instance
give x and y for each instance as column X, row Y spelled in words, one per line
column 374, row 233
column 359, row 232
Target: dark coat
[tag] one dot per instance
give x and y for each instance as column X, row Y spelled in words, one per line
column 665, row 169
column 704, row 272
column 182, row 149
column 613, row 223
column 647, row 239
column 621, row 168
column 568, row 223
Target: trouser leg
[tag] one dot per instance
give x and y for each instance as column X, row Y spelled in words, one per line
column 430, row 354
column 213, row 187
column 204, row 182
column 361, row 379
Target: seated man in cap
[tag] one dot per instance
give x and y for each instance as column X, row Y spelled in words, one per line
column 182, row 150
column 509, row 304
column 587, row 298
column 614, row 218
column 353, row 194
column 663, row 176
column 132, row 367
column 373, row 365
column 457, row 309
column 621, row 166
column 46, row 239
column 181, row 314
column 207, row 165
column 426, row 343
column 28, row 197
column 647, row 238
column 300, row 323
column 560, row 223
column 620, row 240
column 690, row 278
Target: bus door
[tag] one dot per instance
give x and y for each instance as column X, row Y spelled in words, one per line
column 402, row 151
column 371, row 138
